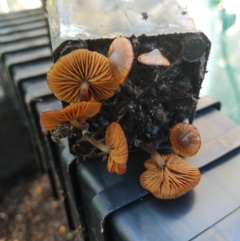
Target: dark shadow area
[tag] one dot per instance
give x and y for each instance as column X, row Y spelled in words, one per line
column 17, row 160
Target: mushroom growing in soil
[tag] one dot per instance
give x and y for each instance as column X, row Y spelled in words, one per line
column 82, row 75
column 153, row 57
column 168, row 176
column 120, row 56
column 185, row 139
column 116, row 146
column 75, row 114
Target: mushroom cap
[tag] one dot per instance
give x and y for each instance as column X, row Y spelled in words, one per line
column 118, row 156
column 79, row 111
column 172, row 181
column 120, row 55
column 67, row 74
column 185, row 139
column 153, row 57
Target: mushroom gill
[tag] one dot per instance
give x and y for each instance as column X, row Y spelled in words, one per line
column 82, row 75
column 120, row 56
column 116, row 146
column 116, row 140
column 185, row 139
column 76, row 114
column 170, row 181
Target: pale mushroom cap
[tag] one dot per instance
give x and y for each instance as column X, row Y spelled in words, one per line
column 185, row 139
column 153, row 57
column 172, row 181
column 67, row 74
column 79, row 111
column 116, row 140
column 120, row 56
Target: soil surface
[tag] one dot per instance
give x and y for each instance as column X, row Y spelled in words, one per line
column 29, row 212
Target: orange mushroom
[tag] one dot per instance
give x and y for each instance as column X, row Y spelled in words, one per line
column 75, row 114
column 117, row 141
column 82, row 75
column 171, row 180
column 185, row 139
column 167, row 176
column 116, row 146
column 120, row 56
column 153, row 57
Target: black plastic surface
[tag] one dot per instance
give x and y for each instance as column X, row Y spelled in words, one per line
column 33, row 89
column 58, row 153
column 24, row 44
column 30, row 54
column 216, row 148
column 5, row 17
column 26, row 57
column 215, row 197
column 36, row 104
column 30, row 69
column 23, row 35
column 207, row 102
column 18, row 154
column 24, row 27
column 22, row 21
column 225, row 229
column 137, row 215
column 182, row 219
column 25, row 70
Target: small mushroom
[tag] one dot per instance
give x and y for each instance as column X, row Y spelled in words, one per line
column 82, row 75
column 120, row 56
column 185, row 139
column 116, row 146
column 154, row 57
column 171, row 180
column 167, row 176
column 75, row 114
column 116, row 140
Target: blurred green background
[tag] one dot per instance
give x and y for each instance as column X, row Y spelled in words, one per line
column 220, row 21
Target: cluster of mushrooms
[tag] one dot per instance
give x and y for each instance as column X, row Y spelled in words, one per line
column 83, row 79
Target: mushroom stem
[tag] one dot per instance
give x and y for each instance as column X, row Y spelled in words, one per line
column 79, row 125
column 95, row 143
column 157, row 157
column 84, row 90
column 186, row 120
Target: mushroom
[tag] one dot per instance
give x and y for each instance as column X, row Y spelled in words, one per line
column 168, row 176
column 75, row 114
column 153, row 57
column 116, row 146
column 185, row 139
column 82, row 75
column 120, row 56
column 171, row 180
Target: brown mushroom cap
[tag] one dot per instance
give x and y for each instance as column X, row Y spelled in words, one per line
column 120, row 56
column 176, row 178
column 67, row 74
column 153, row 57
column 185, row 139
column 116, row 140
column 79, row 111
